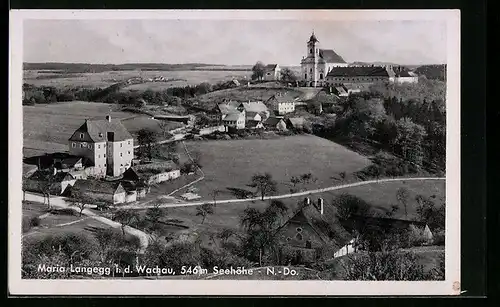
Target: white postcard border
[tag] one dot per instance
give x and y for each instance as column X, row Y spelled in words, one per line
column 450, row 286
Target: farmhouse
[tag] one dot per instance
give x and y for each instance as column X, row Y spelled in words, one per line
column 155, row 172
column 111, row 192
column 272, row 72
column 281, row 104
column 338, row 76
column 382, row 227
column 106, row 143
column 275, row 123
column 310, row 229
column 55, row 182
column 140, row 188
column 234, row 120
column 296, row 123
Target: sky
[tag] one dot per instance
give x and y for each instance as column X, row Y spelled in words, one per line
column 231, row 42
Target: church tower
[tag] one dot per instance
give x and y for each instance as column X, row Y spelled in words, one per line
column 310, row 62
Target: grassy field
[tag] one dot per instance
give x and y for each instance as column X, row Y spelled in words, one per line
column 104, row 79
column 47, row 128
column 231, row 164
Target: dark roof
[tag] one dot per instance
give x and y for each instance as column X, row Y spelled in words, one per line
column 97, row 131
column 384, row 222
column 252, row 123
column 269, row 67
column 296, row 122
column 46, row 175
column 313, row 38
column 324, row 225
column 358, row 71
column 330, row 56
column 273, row 121
column 68, row 162
column 97, row 186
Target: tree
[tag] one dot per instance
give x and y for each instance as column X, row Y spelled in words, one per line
column 348, row 205
column 154, row 215
column 204, row 210
column 225, row 234
column 214, row 195
column 288, row 75
column 125, row 218
column 164, row 126
column 46, row 185
column 202, row 120
column 402, row 196
column 409, row 140
column 147, row 139
column 258, row 71
column 264, row 184
column 261, row 229
column 78, row 199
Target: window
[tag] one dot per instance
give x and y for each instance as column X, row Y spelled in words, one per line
column 321, row 76
column 81, row 145
column 100, row 134
column 105, row 164
column 98, row 156
column 121, row 154
column 104, row 155
column 129, row 152
column 73, row 145
column 121, row 144
column 298, row 229
column 305, row 76
column 310, row 51
column 90, row 146
column 99, row 146
column 310, row 70
column 129, row 142
column 81, row 135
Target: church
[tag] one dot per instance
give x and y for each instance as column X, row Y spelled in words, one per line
column 319, row 62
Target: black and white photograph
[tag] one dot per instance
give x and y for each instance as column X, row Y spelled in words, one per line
column 224, row 152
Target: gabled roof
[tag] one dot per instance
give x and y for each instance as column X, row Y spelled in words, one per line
column 269, row 67
column 313, row 38
column 97, row 131
column 254, row 106
column 46, row 175
column 150, row 169
column 273, row 121
column 296, row 122
column 281, row 98
column 228, row 107
column 358, row 71
column 98, row 186
column 68, row 162
column 232, row 117
column 330, row 56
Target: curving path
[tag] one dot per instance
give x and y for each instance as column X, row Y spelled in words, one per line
column 60, row 202
column 303, row 193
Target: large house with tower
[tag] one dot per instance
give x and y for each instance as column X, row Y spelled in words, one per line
column 106, row 143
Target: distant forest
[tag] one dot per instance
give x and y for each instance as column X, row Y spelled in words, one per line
column 96, row 68
column 432, row 72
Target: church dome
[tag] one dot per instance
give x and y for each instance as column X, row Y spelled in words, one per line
column 313, row 38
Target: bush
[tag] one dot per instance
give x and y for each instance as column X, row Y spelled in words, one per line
column 34, row 221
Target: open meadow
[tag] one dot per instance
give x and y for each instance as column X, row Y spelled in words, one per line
column 105, row 79
column 47, row 128
column 230, row 165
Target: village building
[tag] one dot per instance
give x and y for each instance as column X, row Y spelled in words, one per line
column 154, row 172
column 295, row 123
column 275, row 123
column 405, row 229
column 49, row 180
column 110, row 192
column 281, row 104
column 318, row 63
column 234, row 120
column 140, row 188
column 366, row 75
column 272, row 72
column 106, row 143
column 310, row 233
